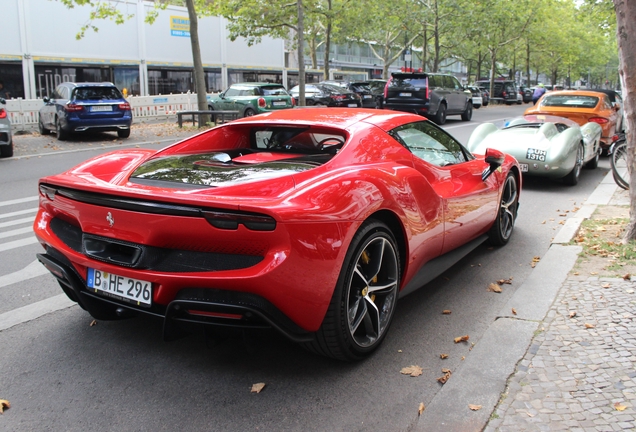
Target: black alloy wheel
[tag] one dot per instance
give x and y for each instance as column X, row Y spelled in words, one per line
column 507, row 214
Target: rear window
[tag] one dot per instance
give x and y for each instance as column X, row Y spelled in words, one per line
column 360, row 88
column 576, row 101
column 408, row 82
column 96, row 93
column 274, row 91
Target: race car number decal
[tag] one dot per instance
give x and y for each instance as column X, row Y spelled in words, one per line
column 536, row 154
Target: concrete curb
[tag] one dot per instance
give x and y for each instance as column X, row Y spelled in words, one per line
column 484, row 374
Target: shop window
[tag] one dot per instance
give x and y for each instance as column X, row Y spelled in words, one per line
column 13, row 84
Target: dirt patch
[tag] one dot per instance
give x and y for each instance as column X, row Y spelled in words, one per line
column 603, row 253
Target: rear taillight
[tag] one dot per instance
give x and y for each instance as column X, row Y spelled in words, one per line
column 231, row 221
column 386, row 88
column 615, row 138
column 293, row 101
column 261, row 102
column 124, row 106
column 338, row 97
column 504, row 94
column 3, row 113
column 426, row 88
column 599, row 120
column 73, row 107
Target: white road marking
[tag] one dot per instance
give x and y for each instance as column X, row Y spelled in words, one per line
column 18, row 213
column 34, row 311
column 16, row 232
column 31, row 271
column 17, row 243
column 17, row 222
column 18, row 201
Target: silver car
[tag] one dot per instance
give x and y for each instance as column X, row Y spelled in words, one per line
column 6, row 141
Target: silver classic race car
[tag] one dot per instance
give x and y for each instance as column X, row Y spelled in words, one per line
column 544, row 145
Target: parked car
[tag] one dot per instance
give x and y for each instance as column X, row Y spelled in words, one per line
column 309, row 221
column 526, row 94
column 617, row 101
column 581, row 106
column 504, row 91
column 361, row 89
column 250, row 98
column 377, row 89
column 476, row 95
column 485, row 96
column 429, row 94
column 327, row 95
column 82, row 107
column 544, row 145
column 6, row 138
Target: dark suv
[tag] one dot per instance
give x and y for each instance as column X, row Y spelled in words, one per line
column 79, row 107
column 503, row 90
column 429, row 94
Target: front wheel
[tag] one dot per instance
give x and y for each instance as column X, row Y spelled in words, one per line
column 468, row 114
column 60, row 133
column 41, row 128
column 620, row 170
column 507, row 215
column 365, row 297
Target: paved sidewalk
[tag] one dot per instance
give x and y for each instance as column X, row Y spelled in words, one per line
column 579, row 373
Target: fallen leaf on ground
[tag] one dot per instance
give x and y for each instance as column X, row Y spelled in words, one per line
column 446, row 370
column 576, row 273
column 589, row 326
column 4, row 404
column 446, row 312
column 536, row 259
column 593, row 273
column 493, row 287
column 606, row 285
column 572, row 314
column 474, row 407
column 543, row 222
column 256, row 388
column 629, row 291
column 412, row 370
column 443, row 356
column 94, row 322
column 444, row 378
column 421, row 409
column 617, row 405
column 562, row 222
column 627, row 276
column 399, row 351
column 529, row 414
column 505, row 281
column 461, row 339
column 514, row 311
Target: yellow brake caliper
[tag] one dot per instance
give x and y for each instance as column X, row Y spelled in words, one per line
column 365, row 260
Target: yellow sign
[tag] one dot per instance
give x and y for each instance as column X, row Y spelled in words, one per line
column 179, row 26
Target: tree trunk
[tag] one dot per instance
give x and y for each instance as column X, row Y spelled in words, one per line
column 528, row 63
column 199, row 74
column 328, row 40
column 626, row 34
column 301, row 54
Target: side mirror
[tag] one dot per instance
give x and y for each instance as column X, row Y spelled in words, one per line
column 494, row 159
column 46, row 99
column 2, row 101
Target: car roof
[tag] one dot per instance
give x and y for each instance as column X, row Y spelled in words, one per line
column 256, row 84
column 89, row 84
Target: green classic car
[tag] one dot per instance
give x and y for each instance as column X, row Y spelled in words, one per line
column 251, row 98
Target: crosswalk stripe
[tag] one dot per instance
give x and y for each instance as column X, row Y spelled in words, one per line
column 19, row 201
column 34, row 269
column 16, row 232
column 18, row 213
column 17, row 243
column 34, row 311
column 17, row 222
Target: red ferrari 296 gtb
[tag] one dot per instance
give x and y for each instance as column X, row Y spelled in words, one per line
column 310, row 221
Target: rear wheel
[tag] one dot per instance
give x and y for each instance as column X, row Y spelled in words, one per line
column 573, row 177
column 249, row 112
column 6, row 150
column 60, row 133
column 619, row 165
column 593, row 163
column 123, row 133
column 364, row 300
column 502, row 228
column 41, row 128
column 440, row 117
column 468, row 114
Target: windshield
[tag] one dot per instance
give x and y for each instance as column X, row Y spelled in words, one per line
column 537, row 121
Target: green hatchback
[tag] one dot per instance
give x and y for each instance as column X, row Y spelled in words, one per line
column 251, row 98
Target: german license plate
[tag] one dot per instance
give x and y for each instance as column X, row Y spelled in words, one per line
column 406, row 94
column 135, row 290
column 367, row 96
column 97, row 108
column 281, row 103
column 524, row 167
column 352, row 105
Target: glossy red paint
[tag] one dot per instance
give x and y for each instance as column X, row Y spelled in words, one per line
column 317, row 208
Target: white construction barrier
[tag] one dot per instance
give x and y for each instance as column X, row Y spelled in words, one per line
column 23, row 113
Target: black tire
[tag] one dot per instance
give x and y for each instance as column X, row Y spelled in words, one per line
column 593, row 163
column 486, row 104
column 468, row 114
column 41, row 128
column 318, row 103
column 365, row 297
column 440, row 117
column 573, row 177
column 123, row 133
column 518, row 102
column 618, row 161
column 6, row 150
column 60, row 133
column 249, row 112
column 476, row 106
column 501, row 230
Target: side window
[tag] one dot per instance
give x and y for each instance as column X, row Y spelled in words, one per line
column 430, row 143
column 456, row 83
column 448, row 82
column 58, row 93
column 434, row 81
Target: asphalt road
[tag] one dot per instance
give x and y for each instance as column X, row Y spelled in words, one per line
column 61, row 373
